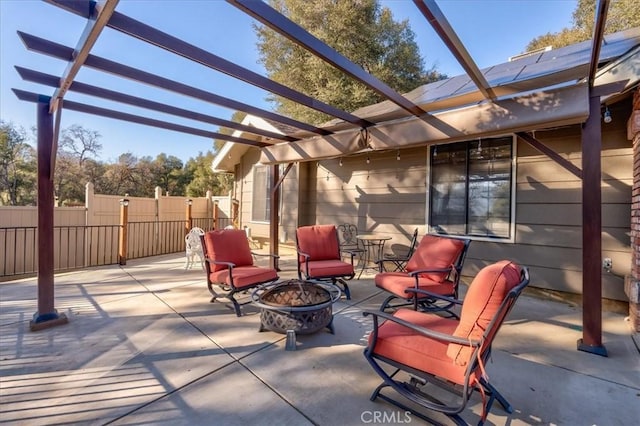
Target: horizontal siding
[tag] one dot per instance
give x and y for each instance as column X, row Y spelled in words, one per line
column 385, row 196
column 388, row 196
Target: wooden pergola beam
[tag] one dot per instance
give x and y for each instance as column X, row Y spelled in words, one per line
column 566, row 164
column 441, row 25
column 602, row 9
column 87, row 89
column 151, row 35
column 270, row 17
column 161, row 124
column 99, row 15
column 59, row 51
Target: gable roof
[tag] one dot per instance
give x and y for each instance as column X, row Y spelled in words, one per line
column 230, row 153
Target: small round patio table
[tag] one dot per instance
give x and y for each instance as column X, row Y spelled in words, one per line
column 373, row 248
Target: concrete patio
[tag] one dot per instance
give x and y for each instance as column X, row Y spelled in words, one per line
column 145, row 346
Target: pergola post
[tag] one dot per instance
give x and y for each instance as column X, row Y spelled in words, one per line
column 46, row 316
column 592, row 232
column 274, row 248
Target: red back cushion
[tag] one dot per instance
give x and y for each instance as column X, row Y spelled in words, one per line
column 435, row 252
column 484, row 296
column 228, row 245
column 318, row 241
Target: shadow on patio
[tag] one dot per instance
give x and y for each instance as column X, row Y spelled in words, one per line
column 144, row 345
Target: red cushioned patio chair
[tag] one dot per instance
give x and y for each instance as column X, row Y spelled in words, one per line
column 319, row 256
column 229, row 265
column 438, row 362
column 435, row 266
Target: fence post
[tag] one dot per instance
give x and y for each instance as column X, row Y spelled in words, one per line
column 188, row 219
column 216, row 214
column 89, row 219
column 210, row 208
column 122, row 242
column 235, row 213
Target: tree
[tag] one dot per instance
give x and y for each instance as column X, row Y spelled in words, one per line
column 203, row 179
column 168, row 174
column 360, row 30
column 68, row 179
column 80, row 142
column 17, row 167
column 75, row 165
column 121, row 177
column 622, row 15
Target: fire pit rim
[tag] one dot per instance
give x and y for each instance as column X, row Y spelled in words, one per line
column 333, row 291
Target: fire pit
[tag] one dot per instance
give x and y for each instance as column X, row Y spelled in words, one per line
column 296, row 306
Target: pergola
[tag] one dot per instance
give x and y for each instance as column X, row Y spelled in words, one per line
column 103, row 14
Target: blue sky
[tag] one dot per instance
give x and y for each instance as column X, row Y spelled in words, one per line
column 492, row 30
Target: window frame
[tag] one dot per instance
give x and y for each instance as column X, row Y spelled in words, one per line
column 266, row 212
column 512, row 206
column 268, row 197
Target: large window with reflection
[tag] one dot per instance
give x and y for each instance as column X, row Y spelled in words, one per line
column 471, row 188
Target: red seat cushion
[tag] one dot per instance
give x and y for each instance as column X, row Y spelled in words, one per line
column 435, row 252
column 398, row 282
column 228, row 245
column 328, row 268
column 244, row 276
column 320, row 242
column 407, row 347
column 484, row 296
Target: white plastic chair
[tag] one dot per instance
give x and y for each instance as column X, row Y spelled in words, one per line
column 193, row 247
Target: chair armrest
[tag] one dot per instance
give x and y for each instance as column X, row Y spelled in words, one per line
column 422, row 271
column 352, row 253
column 422, row 292
column 230, row 265
column 421, row 330
column 303, row 254
column 275, row 256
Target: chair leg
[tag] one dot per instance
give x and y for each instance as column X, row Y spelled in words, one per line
column 345, row 288
column 212, row 291
column 428, row 305
column 236, row 305
column 385, row 304
column 491, row 390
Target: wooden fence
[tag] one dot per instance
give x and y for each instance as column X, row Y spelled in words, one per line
column 89, row 236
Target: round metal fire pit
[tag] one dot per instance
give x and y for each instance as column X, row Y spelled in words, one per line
column 300, row 306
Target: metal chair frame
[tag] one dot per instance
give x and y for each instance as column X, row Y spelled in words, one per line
column 348, row 242
column 193, row 247
column 399, row 262
column 418, row 379
column 334, row 279
column 230, row 290
column 425, row 302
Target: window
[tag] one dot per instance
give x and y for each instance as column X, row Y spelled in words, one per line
column 261, row 198
column 471, row 188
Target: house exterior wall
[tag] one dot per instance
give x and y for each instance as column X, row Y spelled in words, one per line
column 389, row 196
column 290, row 197
column 386, row 195
column 632, row 284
